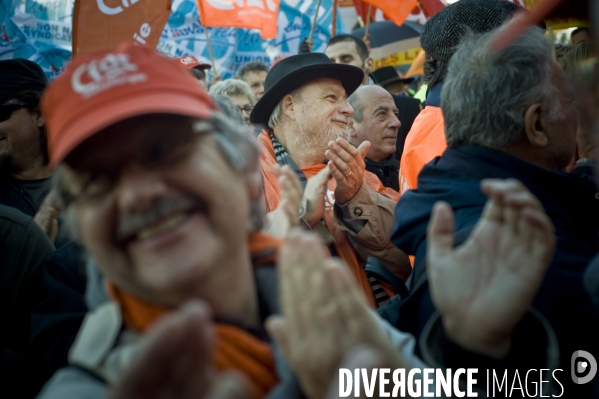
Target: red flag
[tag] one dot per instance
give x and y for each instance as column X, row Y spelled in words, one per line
column 105, row 23
column 362, row 10
column 251, row 14
column 431, row 7
column 396, row 11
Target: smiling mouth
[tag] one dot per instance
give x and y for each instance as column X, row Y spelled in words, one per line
column 160, row 227
column 164, row 217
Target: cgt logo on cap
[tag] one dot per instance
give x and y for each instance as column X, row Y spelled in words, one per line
column 581, row 363
column 188, row 60
column 97, row 76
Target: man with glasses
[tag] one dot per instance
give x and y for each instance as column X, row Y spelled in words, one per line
column 240, row 94
column 165, row 195
column 24, row 172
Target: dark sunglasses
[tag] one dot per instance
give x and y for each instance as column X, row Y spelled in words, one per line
column 7, row 109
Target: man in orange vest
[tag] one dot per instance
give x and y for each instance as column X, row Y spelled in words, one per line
column 306, row 110
column 440, row 38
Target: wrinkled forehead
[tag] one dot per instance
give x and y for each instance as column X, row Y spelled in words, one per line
column 117, row 143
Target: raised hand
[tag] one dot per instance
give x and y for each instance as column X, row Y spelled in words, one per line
column 483, row 288
column 325, row 315
column 314, row 196
column 47, row 216
column 279, row 222
column 347, row 167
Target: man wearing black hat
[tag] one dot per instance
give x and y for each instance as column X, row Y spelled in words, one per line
column 306, row 110
column 440, row 38
column 24, row 172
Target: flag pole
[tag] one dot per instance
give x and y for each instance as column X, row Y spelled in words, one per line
column 210, row 51
column 314, row 22
column 367, row 22
column 334, row 27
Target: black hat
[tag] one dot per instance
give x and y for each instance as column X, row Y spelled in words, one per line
column 385, row 75
column 444, row 31
column 292, row 72
column 19, row 75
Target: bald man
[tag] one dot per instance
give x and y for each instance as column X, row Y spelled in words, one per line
column 376, row 119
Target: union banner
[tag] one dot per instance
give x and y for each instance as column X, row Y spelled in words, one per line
column 105, row 23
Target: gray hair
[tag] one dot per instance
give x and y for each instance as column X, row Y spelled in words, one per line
column 277, row 112
column 232, row 87
column 228, row 108
column 486, row 93
column 239, row 150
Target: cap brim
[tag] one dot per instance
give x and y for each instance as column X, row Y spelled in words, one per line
column 398, row 79
column 350, row 77
column 117, row 110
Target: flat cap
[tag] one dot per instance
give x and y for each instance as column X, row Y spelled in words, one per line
column 444, row 31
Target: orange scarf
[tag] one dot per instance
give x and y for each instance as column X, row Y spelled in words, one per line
column 235, row 348
column 342, row 243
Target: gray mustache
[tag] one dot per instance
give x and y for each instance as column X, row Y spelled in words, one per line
column 132, row 222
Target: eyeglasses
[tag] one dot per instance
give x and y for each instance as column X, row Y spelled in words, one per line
column 248, row 109
column 154, row 153
column 7, row 109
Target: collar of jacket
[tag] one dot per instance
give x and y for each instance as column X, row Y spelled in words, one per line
column 386, row 166
column 434, row 96
column 557, row 190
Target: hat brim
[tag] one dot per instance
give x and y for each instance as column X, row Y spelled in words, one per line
column 202, row 66
column 93, row 121
column 397, row 79
column 350, row 77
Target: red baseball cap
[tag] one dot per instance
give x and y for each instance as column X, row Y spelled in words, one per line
column 189, row 61
column 101, row 88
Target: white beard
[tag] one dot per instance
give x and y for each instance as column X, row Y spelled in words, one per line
column 313, row 138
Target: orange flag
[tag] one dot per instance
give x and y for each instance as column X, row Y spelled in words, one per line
column 251, row 14
column 396, row 10
column 105, row 23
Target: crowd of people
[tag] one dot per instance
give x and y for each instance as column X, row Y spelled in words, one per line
column 162, row 236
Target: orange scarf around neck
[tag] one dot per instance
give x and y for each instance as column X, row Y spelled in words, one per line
column 235, row 348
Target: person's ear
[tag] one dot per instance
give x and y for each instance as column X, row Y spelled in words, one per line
column 535, row 126
column 352, row 129
column 40, row 121
column 288, row 106
column 368, row 66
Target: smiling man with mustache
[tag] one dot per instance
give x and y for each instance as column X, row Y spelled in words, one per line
column 308, row 117
column 165, row 195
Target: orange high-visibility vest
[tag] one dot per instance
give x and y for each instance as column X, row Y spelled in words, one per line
column 425, row 141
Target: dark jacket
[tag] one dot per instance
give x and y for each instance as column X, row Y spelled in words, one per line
column 570, row 202
column 408, row 109
column 15, row 197
column 387, row 171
